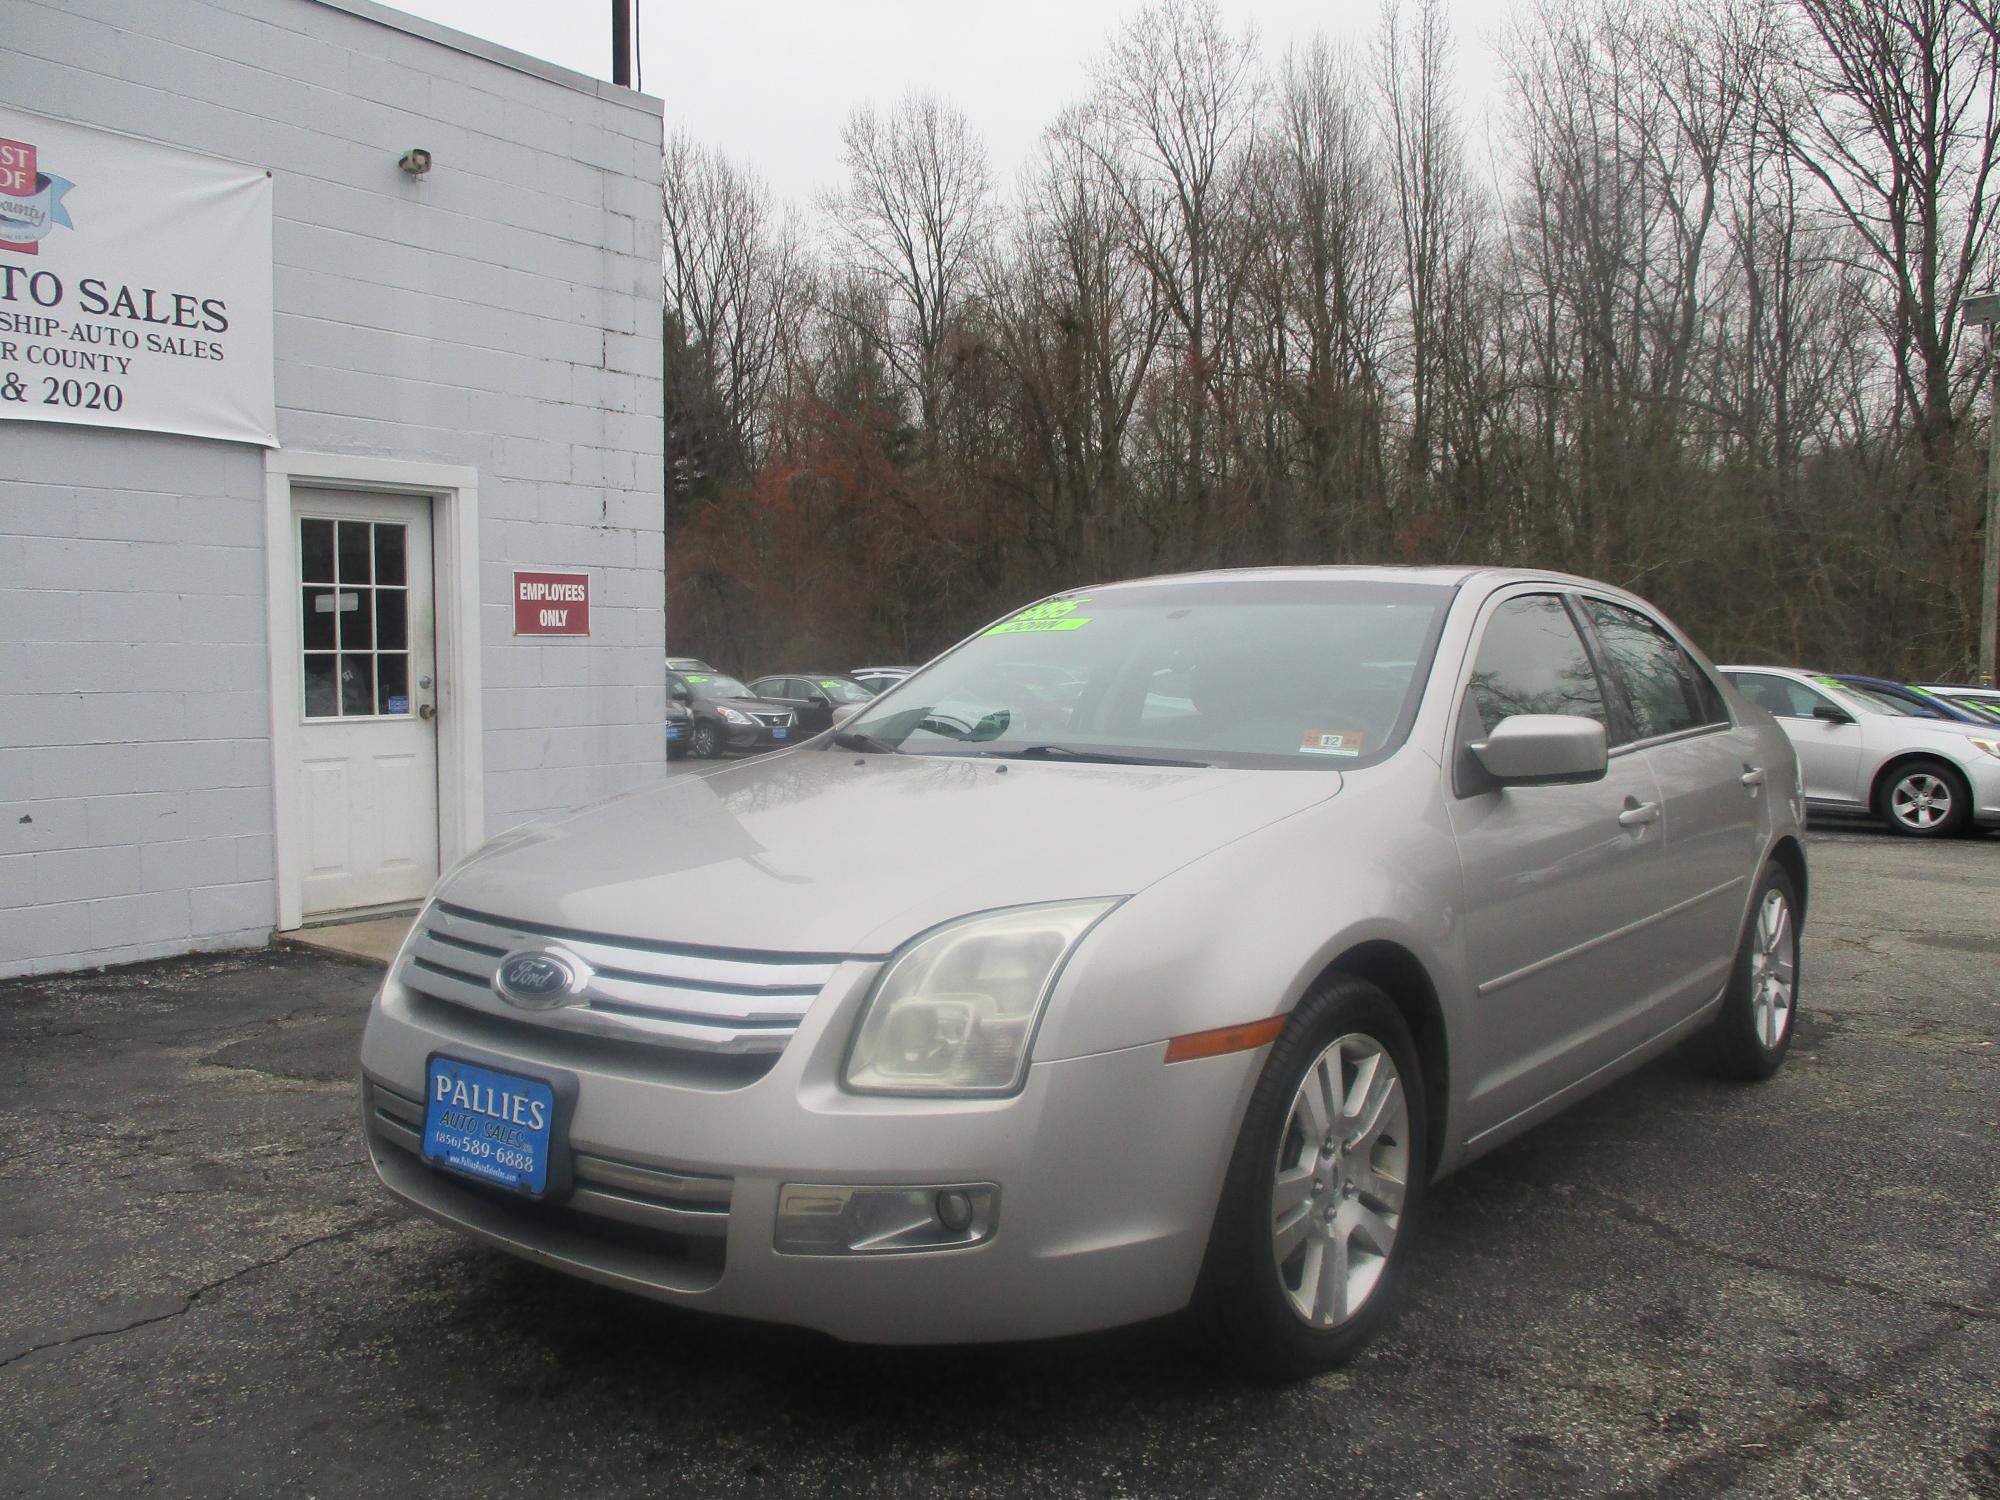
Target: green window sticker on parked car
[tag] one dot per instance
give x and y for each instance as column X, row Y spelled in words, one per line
column 1052, row 614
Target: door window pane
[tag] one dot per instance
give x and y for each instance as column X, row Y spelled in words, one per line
column 393, row 684
column 389, row 553
column 392, row 619
column 316, row 551
column 316, row 619
column 357, row 619
column 322, row 687
column 1531, row 661
column 1664, row 689
column 357, row 684
column 353, row 547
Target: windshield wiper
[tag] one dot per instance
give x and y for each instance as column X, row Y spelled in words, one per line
column 849, row 739
column 1097, row 757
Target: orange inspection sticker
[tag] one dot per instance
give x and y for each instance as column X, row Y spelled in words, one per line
column 1331, row 742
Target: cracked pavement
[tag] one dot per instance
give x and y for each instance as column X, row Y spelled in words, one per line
column 1679, row 1288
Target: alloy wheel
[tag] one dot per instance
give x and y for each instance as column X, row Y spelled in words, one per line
column 1920, row 801
column 1773, row 969
column 1340, row 1180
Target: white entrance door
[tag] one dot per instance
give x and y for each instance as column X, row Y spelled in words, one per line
column 367, row 657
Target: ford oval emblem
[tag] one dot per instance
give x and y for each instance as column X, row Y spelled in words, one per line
column 541, row 978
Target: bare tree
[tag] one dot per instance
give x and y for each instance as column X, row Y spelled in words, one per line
column 914, row 216
column 1178, row 96
column 731, row 272
column 1413, row 75
column 1896, row 112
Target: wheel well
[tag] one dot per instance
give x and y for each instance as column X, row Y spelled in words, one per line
column 1792, row 859
column 1889, row 768
column 1395, row 971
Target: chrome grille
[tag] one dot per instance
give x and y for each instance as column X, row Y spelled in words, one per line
column 772, row 721
column 684, row 1203
column 710, row 1000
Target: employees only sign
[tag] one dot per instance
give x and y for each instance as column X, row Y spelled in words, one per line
column 135, row 284
column 551, row 604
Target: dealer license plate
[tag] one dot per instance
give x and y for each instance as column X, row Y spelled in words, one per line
column 483, row 1123
column 778, row 732
column 673, row 731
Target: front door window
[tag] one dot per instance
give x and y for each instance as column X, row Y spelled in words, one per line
column 354, row 621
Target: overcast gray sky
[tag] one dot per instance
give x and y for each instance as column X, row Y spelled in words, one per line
column 770, row 81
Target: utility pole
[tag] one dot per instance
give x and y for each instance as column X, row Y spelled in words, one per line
column 1983, row 311
column 621, row 43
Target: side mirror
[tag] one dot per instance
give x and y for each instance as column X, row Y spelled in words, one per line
column 819, row 700
column 1543, row 750
column 678, row 693
column 846, row 713
column 1829, row 714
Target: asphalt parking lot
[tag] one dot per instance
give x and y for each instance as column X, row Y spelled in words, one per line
column 1680, row 1288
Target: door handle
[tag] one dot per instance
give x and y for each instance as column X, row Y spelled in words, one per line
column 1752, row 776
column 425, row 711
column 1640, row 815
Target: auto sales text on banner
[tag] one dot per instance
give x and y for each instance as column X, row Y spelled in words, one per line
column 135, row 284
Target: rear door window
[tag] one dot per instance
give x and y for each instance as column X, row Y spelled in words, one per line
column 1664, row 691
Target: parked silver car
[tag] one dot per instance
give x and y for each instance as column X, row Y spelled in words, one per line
column 1865, row 753
column 997, row 1014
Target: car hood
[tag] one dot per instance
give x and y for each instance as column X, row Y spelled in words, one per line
column 746, row 705
column 1890, row 729
column 825, row 852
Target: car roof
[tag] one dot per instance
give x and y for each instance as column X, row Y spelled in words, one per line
column 1396, row 573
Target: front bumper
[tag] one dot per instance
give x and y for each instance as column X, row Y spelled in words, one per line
column 759, row 736
column 1986, row 791
column 1108, row 1169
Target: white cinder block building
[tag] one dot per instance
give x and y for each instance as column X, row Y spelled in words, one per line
column 283, row 414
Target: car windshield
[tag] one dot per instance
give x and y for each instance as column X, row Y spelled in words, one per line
column 1874, row 702
column 1985, row 708
column 1234, row 672
column 843, row 692
column 717, row 685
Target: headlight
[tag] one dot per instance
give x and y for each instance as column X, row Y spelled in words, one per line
column 1991, row 747
column 955, row 1011
column 734, row 716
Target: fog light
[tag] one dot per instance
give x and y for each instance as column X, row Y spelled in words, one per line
column 833, row 1219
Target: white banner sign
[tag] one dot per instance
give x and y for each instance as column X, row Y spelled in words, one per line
column 135, row 284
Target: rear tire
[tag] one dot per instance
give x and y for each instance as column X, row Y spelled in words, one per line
column 1924, row 799
column 1324, row 1191
column 1748, row 1040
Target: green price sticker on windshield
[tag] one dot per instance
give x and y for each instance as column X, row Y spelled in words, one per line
column 1054, row 614
column 693, row 678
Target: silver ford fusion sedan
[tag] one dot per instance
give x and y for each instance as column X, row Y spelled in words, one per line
column 1002, row 1011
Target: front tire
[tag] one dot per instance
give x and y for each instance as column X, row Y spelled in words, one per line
column 1748, row 1040
column 1924, row 799
column 704, row 743
column 1323, row 1192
